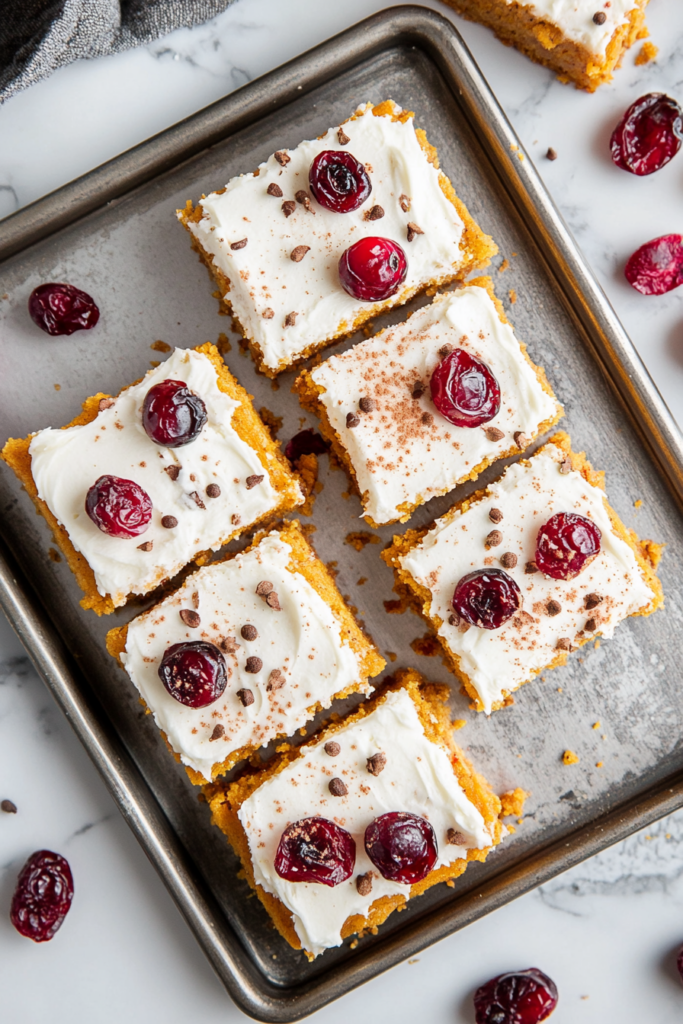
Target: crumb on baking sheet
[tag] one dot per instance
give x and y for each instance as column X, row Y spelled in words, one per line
column 569, row 757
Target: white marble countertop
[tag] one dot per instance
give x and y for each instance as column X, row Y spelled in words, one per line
column 606, row 931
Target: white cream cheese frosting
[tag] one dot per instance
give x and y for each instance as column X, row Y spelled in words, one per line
column 418, row 778
column 303, row 641
column 262, row 275
column 399, row 459
column 499, row 660
column 65, row 464
column 575, row 19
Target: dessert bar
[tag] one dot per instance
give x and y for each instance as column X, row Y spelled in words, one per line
column 430, row 403
column 375, row 809
column 247, row 649
column 139, row 485
column 322, row 237
column 516, row 577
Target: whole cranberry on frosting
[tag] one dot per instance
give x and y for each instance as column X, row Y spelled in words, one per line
column 315, row 850
column 402, row 846
column 172, row 415
column 338, row 181
column 518, row 997
column 373, row 269
column 62, row 309
column 43, row 895
column 119, row 507
column 487, row 598
column 566, row 544
column 464, row 390
column 649, row 134
column 194, row 673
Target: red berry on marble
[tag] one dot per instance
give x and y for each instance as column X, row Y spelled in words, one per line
column 520, row 997
column 118, row 507
column 657, row 267
column 649, row 134
column 43, row 895
column 487, row 598
column 373, row 269
column 402, row 846
column 338, row 181
column 566, row 544
column 172, row 415
column 315, row 850
column 464, row 390
column 194, row 673
column 62, row 309
column 306, row 442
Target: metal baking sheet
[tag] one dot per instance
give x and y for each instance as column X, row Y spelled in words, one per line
column 114, row 233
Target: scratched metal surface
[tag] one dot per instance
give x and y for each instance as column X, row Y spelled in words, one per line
column 136, row 260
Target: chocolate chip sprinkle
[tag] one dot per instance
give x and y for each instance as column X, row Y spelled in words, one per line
column 268, row 313
column 337, row 787
column 494, row 433
column 592, row 601
column 235, row 519
column 146, row 546
column 521, row 440
column 290, row 319
column 566, row 466
column 445, row 350
column 495, row 515
column 332, row 748
column 8, row 807
column 564, row 644
column 173, row 471
column 427, row 419
column 197, row 500
column 254, row 480
column 413, row 230
column 530, row 568
column 169, row 522
column 553, row 608
column 282, row 157
column 276, row 680
column 591, row 626
column 229, row 645
column 343, row 137
column 599, row 17
column 551, row 154
column 298, row 253
column 246, row 697
column 364, row 884
column 374, row 213
column 288, row 207
column 493, row 539
column 105, row 403
column 218, row 732
column 253, row 664
column 404, row 202
column 352, row 420
column 377, row 763
column 213, row 491
column 302, row 197
column 418, row 389
column 274, row 190
column 249, row 632
column 366, row 404
column 190, row 618
column 508, row 560
column 273, row 601
column 264, row 588
column 238, row 245
column 456, row 838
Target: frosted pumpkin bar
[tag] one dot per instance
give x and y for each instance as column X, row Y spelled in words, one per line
column 375, row 809
column 582, row 40
column 139, row 485
column 517, row 576
column 247, row 649
column 430, row 403
column 322, row 237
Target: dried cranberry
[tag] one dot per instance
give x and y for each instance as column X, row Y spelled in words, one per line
column 520, row 997
column 194, row 673
column 487, row 598
column 649, row 134
column 657, row 267
column 62, row 309
column 338, row 181
column 172, row 415
column 566, row 544
column 373, row 269
column 41, row 900
column 464, row 390
column 118, row 507
column 315, row 850
column 306, row 442
column 402, row 846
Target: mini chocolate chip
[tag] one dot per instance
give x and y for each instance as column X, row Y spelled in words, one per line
column 418, row 389
column 298, row 253
column 213, row 491
column 254, row 480
column 427, row 419
column 493, row 539
column 495, row 515
column 282, row 157
column 274, row 190
column 173, row 471
column 332, row 748
column 235, row 519
column 530, row 568
column 8, row 807
column 508, row 560
column 445, row 350
column 404, row 202
column 218, row 732
column 105, row 403
column 591, row 626
column 197, row 500
column 276, row 680
column 553, row 607
column 273, row 601
column 343, row 137
column 190, row 618
column 413, row 230
column 377, row 763
column 290, row 319
column 249, row 632
column 494, row 433
column 521, row 440
column 268, row 313
column 456, row 838
column 337, row 787
column 288, row 207
column 453, row 620
column 238, row 245
column 592, row 601
column 246, row 697
column 229, row 644
column 566, row 466
column 352, row 420
column 147, row 546
column 374, row 213
column 599, row 17
column 364, row 884
column 169, row 522
column 302, row 197
column 264, row 588
column 366, row 404
column 564, row 644
column 253, row 664
column 551, row 154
